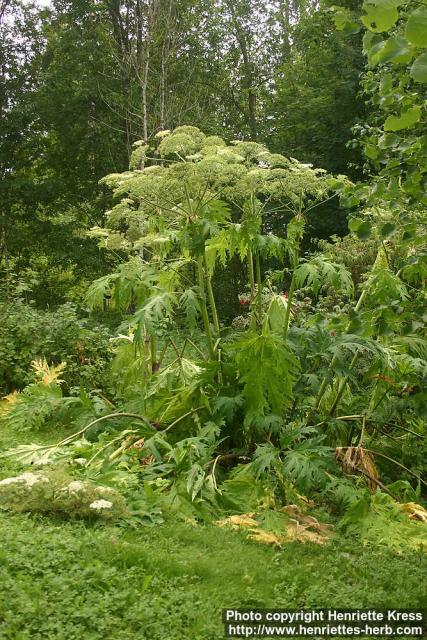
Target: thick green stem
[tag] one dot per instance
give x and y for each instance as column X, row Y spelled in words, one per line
column 292, row 287
column 153, row 354
column 251, row 273
column 259, row 289
column 205, row 317
column 147, row 356
column 341, row 386
column 360, row 301
column 212, row 303
column 289, row 303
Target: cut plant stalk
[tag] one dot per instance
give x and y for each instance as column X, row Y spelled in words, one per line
column 399, row 464
column 211, row 300
column 251, row 273
column 259, row 290
column 73, row 436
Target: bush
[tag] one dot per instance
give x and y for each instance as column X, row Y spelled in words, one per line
column 58, row 493
column 29, row 333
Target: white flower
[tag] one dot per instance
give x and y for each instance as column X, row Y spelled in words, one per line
column 32, row 478
column 76, row 486
column 162, row 134
column 28, row 478
column 101, row 504
column 9, row 481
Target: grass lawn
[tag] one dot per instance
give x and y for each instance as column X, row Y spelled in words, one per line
column 71, row 581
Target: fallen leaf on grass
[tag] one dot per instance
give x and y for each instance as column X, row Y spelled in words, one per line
column 300, row 533
column 265, row 537
column 309, row 522
column 245, row 520
column 297, row 529
column 414, row 511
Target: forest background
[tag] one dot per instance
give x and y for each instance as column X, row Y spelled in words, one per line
column 82, row 81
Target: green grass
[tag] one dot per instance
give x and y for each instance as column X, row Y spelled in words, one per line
column 49, row 435
column 68, row 580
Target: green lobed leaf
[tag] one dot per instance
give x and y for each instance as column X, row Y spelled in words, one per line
column 396, row 50
column 387, row 229
column 372, row 45
column 419, row 68
column 267, row 368
column 381, row 15
column 362, row 228
column 320, row 271
column 407, row 118
column 189, row 301
column 344, row 22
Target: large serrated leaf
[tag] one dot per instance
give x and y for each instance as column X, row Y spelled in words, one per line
column 34, row 454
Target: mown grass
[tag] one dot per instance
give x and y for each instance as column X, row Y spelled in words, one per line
column 68, row 580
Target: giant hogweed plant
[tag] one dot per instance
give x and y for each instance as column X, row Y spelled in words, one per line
column 195, row 203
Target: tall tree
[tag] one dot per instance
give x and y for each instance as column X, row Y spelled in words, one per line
column 315, row 103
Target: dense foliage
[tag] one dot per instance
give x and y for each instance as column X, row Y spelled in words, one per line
column 256, row 361
column 29, row 333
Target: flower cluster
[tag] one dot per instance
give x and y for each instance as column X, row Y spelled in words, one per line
column 28, row 479
column 98, row 505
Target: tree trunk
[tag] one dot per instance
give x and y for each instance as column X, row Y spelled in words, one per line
column 248, row 69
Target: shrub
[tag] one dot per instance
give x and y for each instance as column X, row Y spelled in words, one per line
column 29, row 333
column 57, row 493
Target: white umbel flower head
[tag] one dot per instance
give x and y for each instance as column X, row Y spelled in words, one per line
column 29, row 479
column 81, row 461
column 98, row 505
column 32, row 478
column 76, row 486
column 9, row 481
